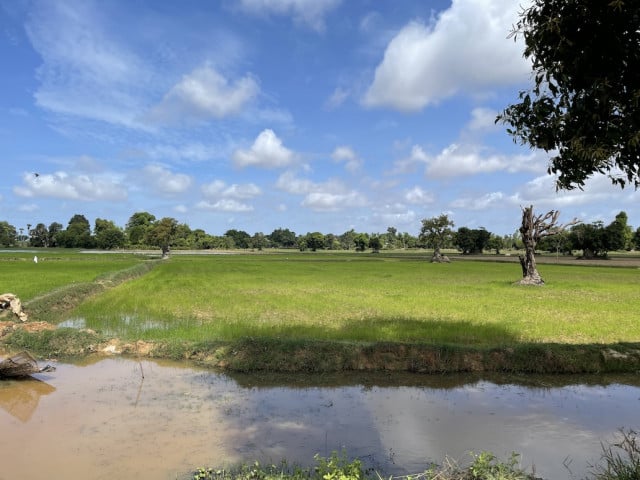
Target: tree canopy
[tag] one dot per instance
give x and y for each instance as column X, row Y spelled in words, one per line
column 584, row 106
column 435, row 233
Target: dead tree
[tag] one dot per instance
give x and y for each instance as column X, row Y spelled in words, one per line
column 535, row 227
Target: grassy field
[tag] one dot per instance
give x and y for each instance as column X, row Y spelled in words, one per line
column 326, row 312
column 20, row 275
column 367, row 298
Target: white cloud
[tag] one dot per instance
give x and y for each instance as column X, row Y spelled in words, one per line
column 218, row 188
column 85, row 72
column 395, row 215
column 195, row 151
column 352, row 162
column 289, row 183
column 309, row 12
column 466, row 49
column 204, row 94
column 29, row 208
column 418, row 196
column 484, row 202
column 541, row 191
column 326, row 201
column 336, row 99
column 468, row 159
column 164, row 181
column 417, row 158
column 332, row 195
column 224, row 205
column 267, row 151
column 71, row 187
column 483, row 120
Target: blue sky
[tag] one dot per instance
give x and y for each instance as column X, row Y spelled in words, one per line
column 312, row 115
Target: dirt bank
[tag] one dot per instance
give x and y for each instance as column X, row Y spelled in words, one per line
column 279, row 355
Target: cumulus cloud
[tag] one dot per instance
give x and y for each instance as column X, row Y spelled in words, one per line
column 204, row 94
column 352, row 162
column 267, row 151
column 224, row 205
column 488, row 200
column 541, row 191
column 470, row 159
column 308, row 12
column 218, row 188
column 483, row 120
column 418, row 196
column 465, row 49
column 71, row 187
column 326, row 201
column 332, row 195
column 395, row 215
column 164, row 181
column 220, row 197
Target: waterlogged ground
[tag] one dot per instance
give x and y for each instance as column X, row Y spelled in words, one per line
column 104, row 420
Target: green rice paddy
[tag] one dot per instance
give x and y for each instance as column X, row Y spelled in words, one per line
column 362, row 298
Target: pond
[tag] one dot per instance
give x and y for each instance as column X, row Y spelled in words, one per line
column 120, row 418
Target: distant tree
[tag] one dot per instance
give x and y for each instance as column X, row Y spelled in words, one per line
column 39, row 236
column 375, row 243
column 471, row 241
column 54, row 229
column 361, row 241
column 590, row 238
column 533, row 229
column 495, row 243
column 137, row 226
column 108, row 236
column 331, row 242
column 77, row 234
column 618, row 233
column 391, row 237
column 240, row 238
column 584, row 105
column 259, row 241
column 161, row 234
column 315, row 241
column 8, row 234
column 559, row 243
column 435, row 233
column 408, row 240
column 636, row 239
column 282, row 238
column 347, row 239
column 199, row 239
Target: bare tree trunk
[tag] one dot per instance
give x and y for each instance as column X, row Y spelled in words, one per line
column 438, row 257
column 533, row 229
column 530, row 237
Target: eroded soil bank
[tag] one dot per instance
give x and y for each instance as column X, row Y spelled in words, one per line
column 282, row 355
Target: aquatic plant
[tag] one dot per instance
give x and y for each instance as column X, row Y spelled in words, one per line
column 620, row 460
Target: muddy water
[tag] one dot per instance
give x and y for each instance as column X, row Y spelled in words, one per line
column 105, row 421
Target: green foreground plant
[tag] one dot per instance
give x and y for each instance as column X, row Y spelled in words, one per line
column 620, row 460
column 485, row 466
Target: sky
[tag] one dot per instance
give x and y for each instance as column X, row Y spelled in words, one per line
column 311, row 115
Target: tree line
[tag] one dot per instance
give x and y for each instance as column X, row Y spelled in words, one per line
column 144, row 230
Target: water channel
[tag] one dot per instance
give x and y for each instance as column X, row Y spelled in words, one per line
column 118, row 418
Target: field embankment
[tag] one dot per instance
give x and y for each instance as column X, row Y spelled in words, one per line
column 323, row 312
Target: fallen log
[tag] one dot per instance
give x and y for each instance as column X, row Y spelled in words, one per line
column 21, row 365
column 8, row 301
